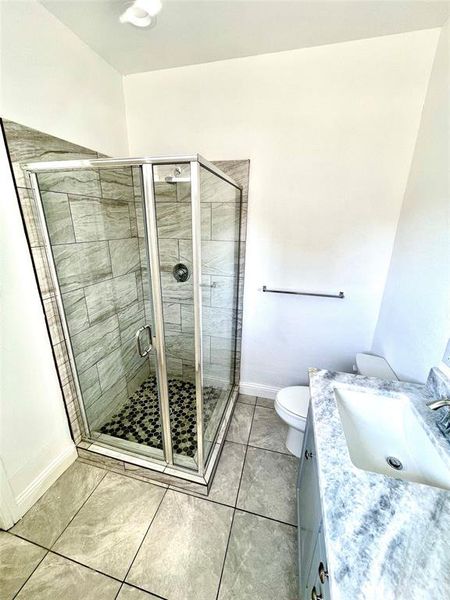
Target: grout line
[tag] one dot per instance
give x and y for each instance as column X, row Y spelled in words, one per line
column 95, row 241
column 89, row 196
column 274, row 451
column 35, row 568
column 249, row 512
column 71, row 220
column 77, row 562
column 76, row 512
column 145, row 535
column 18, row 535
column 65, row 558
column 241, row 401
column 245, row 458
column 266, row 407
column 234, row 512
column 225, row 554
column 251, row 427
column 236, row 443
column 136, row 587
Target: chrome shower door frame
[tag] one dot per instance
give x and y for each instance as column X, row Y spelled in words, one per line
column 204, row 469
column 151, row 235
column 197, row 285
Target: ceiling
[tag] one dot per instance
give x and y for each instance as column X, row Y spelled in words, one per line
column 191, row 32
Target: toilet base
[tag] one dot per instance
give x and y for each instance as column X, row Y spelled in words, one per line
column 294, row 441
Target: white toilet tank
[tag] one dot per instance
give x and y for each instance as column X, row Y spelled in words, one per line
column 371, row 365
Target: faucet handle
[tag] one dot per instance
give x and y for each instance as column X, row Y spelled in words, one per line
column 436, row 403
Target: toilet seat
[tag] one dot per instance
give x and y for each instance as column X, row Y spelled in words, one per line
column 294, row 401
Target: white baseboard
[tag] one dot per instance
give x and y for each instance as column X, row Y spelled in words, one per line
column 257, row 389
column 45, row 479
column 8, row 505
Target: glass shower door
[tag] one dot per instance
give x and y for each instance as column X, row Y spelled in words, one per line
column 220, row 210
column 98, row 248
column 173, row 211
column 197, row 224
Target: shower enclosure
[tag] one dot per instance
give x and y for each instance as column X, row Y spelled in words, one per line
column 144, row 255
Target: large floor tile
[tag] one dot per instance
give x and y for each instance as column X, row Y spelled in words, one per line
column 261, row 561
column 106, row 533
column 246, row 399
column 268, row 485
column 127, row 592
column 241, row 423
column 18, row 559
column 268, row 430
column 58, row 578
column 46, row 520
column 225, row 484
column 182, row 555
column 266, row 402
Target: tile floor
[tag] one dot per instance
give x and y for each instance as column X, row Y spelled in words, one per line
column 104, row 536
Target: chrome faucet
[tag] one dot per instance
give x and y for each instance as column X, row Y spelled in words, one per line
column 444, row 423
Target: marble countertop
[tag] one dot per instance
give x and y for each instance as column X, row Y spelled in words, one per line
column 386, row 539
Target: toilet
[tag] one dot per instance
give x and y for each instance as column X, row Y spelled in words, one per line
column 291, row 403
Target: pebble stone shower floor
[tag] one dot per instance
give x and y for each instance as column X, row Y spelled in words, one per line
column 139, row 419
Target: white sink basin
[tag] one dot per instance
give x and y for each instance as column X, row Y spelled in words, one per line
column 377, row 427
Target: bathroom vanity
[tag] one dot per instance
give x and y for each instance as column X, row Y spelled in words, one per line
column 366, row 533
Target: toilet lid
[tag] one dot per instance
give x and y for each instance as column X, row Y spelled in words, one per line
column 295, row 399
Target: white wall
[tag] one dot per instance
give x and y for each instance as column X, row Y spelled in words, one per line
column 414, row 325
column 51, row 81
column 330, row 132
column 35, row 443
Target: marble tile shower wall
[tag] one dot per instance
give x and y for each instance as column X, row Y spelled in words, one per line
column 91, row 217
column 239, row 170
column 220, row 252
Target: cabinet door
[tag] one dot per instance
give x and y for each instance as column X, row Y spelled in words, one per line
column 317, row 586
column 312, row 578
column 308, row 506
column 322, row 568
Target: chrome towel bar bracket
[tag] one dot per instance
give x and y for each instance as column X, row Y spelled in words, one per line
column 266, row 289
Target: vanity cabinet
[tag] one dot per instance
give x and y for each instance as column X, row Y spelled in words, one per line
column 313, row 572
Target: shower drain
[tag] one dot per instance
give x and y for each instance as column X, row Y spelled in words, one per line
column 395, row 463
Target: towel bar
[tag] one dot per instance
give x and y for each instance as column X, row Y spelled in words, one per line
column 266, row 289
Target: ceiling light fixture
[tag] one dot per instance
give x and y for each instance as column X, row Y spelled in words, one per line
column 141, row 13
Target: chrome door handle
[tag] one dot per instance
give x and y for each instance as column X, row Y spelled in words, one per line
column 138, row 340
